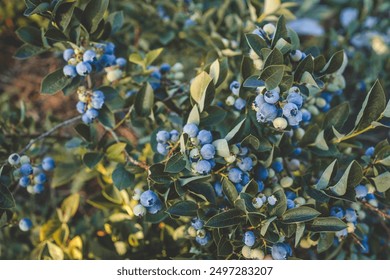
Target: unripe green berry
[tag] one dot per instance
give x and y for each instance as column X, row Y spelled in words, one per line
column 280, row 123
column 286, row 182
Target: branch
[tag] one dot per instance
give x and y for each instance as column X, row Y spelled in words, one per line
column 49, row 132
column 376, row 210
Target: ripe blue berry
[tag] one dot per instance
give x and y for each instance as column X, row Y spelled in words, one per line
column 25, row 224
column 260, row 185
column 92, row 114
column 361, row 191
column 68, row 54
column 218, row 189
column 24, row 181
column 292, row 113
column 245, row 164
column 266, row 113
column 162, row 148
column 197, row 223
column 163, row 136
column 106, row 60
column 239, row 187
column 191, row 129
column 295, row 98
column 48, row 164
column 306, row 115
column 239, row 103
column 81, row 107
column 69, row 71
column 148, row 198
column 205, row 137
column 203, row 167
column 280, row 251
column 83, row 68
column 165, row 68
column 155, row 208
column 235, row 175
column 277, row 166
column 207, row 151
column 350, row 215
column 26, row 169
column 40, row 178
column 262, row 173
column 249, row 238
column 89, row 56
column 203, row 240
column 370, row 151
column 337, row 212
column 174, row 135
column 259, row 100
column 235, row 87
column 109, row 48
column 38, row 188
column 121, row 62
column 272, row 96
column 290, row 204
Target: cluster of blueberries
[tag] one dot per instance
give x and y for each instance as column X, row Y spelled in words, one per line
column 148, row 202
column 203, row 237
column 234, row 100
column 31, row 177
column 83, row 61
column 167, row 71
column 89, row 104
column 165, row 140
column 271, row 107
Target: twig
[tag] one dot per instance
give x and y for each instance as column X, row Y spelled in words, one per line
column 374, row 209
column 49, row 132
column 128, row 156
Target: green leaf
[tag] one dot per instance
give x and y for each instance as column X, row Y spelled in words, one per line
column 106, row 117
column 253, row 82
column 54, row 82
column 274, row 58
column 204, row 190
column 30, row 35
column 326, row 176
column 69, row 207
column 63, row 14
column 299, row 233
column 300, row 214
column 229, row 190
column 183, row 208
column 116, row 21
column 198, row 89
column 27, row 51
column 351, row 178
column 381, row 181
column 251, row 141
column 281, row 204
column 144, row 101
column 92, row 159
column 137, row 59
column 55, row 252
column 295, row 44
column 327, row 224
column 283, row 46
column 225, row 219
column 334, row 63
column 175, row 164
column 84, row 131
column 272, row 76
column 306, row 65
column 6, row 199
column 234, row 131
column 386, row 112
column 115, row 152
column 265, row 225
column 71, row 87
column 152, row 56
column 281, row 30
column 337, row 116
column 325, row 242
column 194, row 116
column 122, row 178
column 372, row 108
column 256, row 43
column 94, row 13
column 221, row 147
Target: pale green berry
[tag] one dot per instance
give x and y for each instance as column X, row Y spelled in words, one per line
column 313, row 110
column 114, row 75
column 271, row 173
column 230, row 159
column 351, row 227
column 191, row 231
column 280, row 123
column 234, row 149
column 257, row 202
column 230, row 100
column 139, row 210
column 286, row 182
column 269, row 28
column 24, row 159
column 177, row 67
column 179, row 76
column 299, row 201
column 225, row 42
column 321, row 102
column 246, row 252
column 137, row 194
column 256, row 254
column 299, row 133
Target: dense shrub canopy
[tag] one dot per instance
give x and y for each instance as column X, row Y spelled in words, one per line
column 196, row 130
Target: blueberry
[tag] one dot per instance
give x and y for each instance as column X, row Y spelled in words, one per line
column 280, row 251
column 239, row 187
column 38, row 188
column 361, row 191
column 297, row 151
column 203, row 167
column 327, row 96
column 48, row 164
column 106, row 60
column 290, row 204
column 148, row 198
column 272, row 96
column 97, row 100
column 163, row 136
column 86, row 119
column 261, row 173
column 68, row 54
column 259, row 100
column 191, row 129
column 162, row 148
column 245, row 179
column 25, row 224
column 81, row 107
column 337, row 212
column 296, row 55
column 83, row 68
column 24, row 181
column 235, row 87
column 370, row 196
column 165, row 68
column 14, row 159
column 272, row 200
column 69, row 71
column 295, row 98
column 218, row 189
column 292, row 113
column 203, row 240
column 277, row 166
column 239, row 103
column 92, row 114
column 266, row 113
column 26, row 169
column 306, row 115
column 121, row 62
column 370, row 151
column 350, row 215
column 290, row 195
column 235, row 175
column 174, row 135
column 89, row 56
column 109, row 48
column 205, row 137
column 257, row 202
column 194, row 154
column 249, row 238
column 260, row 185
column 245, row 164
column 342, row 233
column 155, row 208
column 207, row 151
column 40, row 178
column 326, row 108
column 197, row 223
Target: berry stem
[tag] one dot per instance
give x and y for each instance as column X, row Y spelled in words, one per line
column 376, row 210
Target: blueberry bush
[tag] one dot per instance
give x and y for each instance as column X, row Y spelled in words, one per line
column 199, row 130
